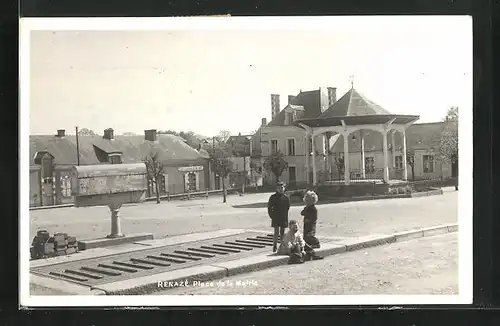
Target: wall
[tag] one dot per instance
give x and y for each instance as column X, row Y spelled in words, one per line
column 175, row 185
column 281, row 134
column 240, row 164
column 440, row 169
column 35, row 191
column 176, row 181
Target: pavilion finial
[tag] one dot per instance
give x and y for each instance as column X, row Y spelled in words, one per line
column 351, row 78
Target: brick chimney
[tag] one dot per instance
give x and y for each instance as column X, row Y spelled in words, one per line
column 264, row 122
column 323, row 99
column 109, row 134
column 275, row 105
column 61, row 133
column 150, row 134
column 290, row 98
column 332, row 95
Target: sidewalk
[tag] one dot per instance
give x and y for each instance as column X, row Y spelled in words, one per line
column 204, row 272
column 422, row 266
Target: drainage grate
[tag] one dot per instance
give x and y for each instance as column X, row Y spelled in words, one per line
column 158, row 260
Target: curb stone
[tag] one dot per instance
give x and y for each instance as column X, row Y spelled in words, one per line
column 150, row 283
column 206, row 273
column 250, row 264
column 65, row 287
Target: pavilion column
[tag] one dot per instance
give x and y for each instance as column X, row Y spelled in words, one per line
column 315, row 177
column 362, row 141
column 347, row 171
column 328, row 164
column 393, row 146
column 386, row 156
column 306, row 147
column 405, row 165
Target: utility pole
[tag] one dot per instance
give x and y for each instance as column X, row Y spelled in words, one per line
column 77, row 148
column 244, row 173
column 213, row 165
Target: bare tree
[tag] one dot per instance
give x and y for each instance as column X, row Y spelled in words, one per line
column 448, row 145
column 276, row 164
column 339, row 164
column 128, row 133
column 86, row 132
column 223, row 136
column 154, row 168
column 410, row 160
column 222, row 166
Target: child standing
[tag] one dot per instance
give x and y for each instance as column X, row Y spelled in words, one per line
column 310, row 214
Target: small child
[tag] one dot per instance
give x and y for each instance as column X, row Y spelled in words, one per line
column 294, row 246
column 310, row 214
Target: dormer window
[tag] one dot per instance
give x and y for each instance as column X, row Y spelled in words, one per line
column 115, row 158
column 289, row 118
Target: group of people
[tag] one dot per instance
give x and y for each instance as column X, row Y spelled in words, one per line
column 298, row 247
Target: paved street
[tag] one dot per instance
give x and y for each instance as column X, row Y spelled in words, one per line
column 184, row 217
column 422, row 266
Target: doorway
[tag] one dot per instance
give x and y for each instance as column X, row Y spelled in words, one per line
column 454, row 170
column 291, row 175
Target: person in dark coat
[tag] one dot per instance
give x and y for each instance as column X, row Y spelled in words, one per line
column 310, row 214
column 277, row 208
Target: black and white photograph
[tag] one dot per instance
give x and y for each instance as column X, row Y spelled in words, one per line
column 246, row 161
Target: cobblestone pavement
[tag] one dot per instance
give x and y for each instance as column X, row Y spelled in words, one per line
column 422, row 266
column 201, row 215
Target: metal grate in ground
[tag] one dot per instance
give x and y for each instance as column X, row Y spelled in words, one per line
column 120, row 267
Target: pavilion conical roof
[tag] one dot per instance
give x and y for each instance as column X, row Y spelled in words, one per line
column 351, row 104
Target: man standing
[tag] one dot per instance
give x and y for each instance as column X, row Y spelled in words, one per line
column 277, row 208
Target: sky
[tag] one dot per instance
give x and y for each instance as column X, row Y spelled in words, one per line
column 194, row 76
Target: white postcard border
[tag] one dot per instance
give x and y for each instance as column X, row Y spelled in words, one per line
column 251, row 23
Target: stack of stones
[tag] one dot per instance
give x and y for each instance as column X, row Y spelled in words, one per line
column 41, row 245
column 45, row 246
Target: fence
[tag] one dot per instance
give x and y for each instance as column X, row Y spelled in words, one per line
column 193, row 194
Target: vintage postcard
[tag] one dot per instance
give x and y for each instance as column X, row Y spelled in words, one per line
column 246, row 161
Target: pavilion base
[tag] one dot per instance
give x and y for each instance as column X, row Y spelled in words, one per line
column 358, row 188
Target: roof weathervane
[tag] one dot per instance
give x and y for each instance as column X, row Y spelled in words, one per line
column 351, row 79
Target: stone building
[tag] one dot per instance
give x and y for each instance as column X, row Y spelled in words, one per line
column 53, row 156
column 286, row 133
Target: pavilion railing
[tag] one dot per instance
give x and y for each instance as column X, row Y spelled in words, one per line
column 357, row 175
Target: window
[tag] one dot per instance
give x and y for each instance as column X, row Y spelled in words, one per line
column 164, row 184
column 291, row 175
column 399, row 162
column 115, row 159
column 274, row 146
column 290, row 147
column 428, row 161
column 192, row 181
column 310, row 145
column 289, row 117
column 65, row 186
column 369, row 165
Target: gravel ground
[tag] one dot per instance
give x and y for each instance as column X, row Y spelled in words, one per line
column 41, row 290
column 422, row 266
column 184, row 217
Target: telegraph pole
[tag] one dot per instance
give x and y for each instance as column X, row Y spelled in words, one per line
column 77, row 148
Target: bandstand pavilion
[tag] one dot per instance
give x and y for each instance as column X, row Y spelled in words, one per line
column 351, row 113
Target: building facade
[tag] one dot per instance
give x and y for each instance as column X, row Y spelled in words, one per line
column 53, row 157
column 283, row 135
